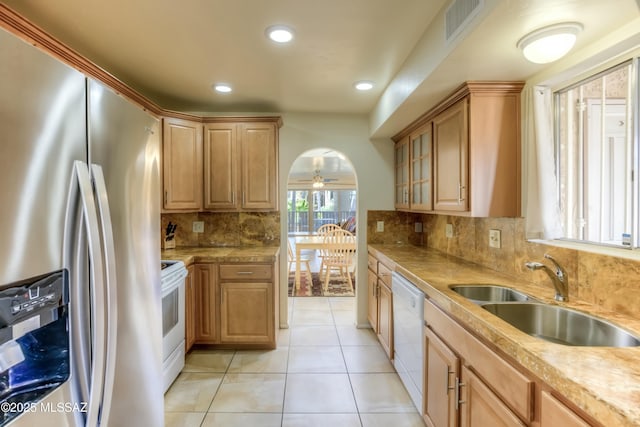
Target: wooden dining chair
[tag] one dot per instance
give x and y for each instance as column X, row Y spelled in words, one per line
column 339, row 254
column 322, row 231
column 303, row 261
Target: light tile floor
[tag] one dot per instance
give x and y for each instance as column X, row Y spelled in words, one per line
column 325, row 372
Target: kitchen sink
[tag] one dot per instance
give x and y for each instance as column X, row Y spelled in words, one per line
column 562, row 326
column 480, row 294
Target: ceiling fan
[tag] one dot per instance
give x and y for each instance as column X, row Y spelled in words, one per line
column 318, row 181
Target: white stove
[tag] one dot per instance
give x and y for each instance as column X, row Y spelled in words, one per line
column 172, row 277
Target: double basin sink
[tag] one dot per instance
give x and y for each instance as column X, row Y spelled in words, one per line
column 551, row 323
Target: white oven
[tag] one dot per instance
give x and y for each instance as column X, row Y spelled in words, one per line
column 173, row 305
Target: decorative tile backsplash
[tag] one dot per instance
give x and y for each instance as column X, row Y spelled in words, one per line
column 609, row 282
column 225, row 228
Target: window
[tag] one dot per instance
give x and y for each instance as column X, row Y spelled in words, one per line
column 596, row 149
column 308, row 210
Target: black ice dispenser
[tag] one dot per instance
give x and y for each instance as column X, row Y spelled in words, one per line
column 34, row 341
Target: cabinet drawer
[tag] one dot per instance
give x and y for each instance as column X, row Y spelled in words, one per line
column 513, row 387
column 384, row 273
column 246, row 271
column 372, row 263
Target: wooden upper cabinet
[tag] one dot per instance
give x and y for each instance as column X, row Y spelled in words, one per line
column 220, row 166
column 241, row 166
column 182, row 164
column 421, row 169
column 475, row 153
column 451, row 151
column 259, row 157
column 401, row 165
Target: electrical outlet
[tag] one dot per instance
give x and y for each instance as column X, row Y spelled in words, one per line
column 417, row 227
column 380, row 226
column 448, row 231
column 495, row 240
column 198, row 226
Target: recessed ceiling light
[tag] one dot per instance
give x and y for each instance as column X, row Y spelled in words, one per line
column 222, row 87
column 363, row 85
column 280, row 33
column 550, row 43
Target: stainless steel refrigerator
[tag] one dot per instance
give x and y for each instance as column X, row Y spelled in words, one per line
column 80, row 301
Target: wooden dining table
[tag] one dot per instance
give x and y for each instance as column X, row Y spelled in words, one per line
column 316, row 242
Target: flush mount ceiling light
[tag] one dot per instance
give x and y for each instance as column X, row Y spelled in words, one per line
column 363, row 85
column 550, row 43
column 279, row 33
column 222, row 87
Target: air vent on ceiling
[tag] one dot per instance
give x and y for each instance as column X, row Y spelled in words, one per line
column 458, row 15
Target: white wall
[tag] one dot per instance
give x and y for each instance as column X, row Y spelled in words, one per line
column 373, row 164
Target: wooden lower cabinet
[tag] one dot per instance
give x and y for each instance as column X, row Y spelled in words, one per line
column 480, row 407
column 555, row 413
column 234, row 304
column 385, row 318
column 372, row 300
column 442, row 369
column 380, row 302
column 468, row 384
column 486, row 389
column 190, row 309
column 206, row 324
column 246, row 313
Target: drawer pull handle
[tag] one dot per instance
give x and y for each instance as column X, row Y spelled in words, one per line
column 244, row 273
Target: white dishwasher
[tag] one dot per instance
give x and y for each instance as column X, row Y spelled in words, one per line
column 408, row 335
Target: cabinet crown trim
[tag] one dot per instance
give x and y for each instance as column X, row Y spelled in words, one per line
column 465, row 89
column 22, row 28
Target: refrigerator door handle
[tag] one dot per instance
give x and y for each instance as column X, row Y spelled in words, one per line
column 109, row 254
column 81, row 184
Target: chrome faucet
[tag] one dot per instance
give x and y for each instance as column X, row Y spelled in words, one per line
column 558, row 277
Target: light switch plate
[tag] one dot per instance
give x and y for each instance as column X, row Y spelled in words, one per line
column 380, row 226
column 495, row 240
column 417, row 227
column 448, row 231
column 198, row 226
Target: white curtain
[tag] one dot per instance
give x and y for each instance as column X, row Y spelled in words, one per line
column 543, row 219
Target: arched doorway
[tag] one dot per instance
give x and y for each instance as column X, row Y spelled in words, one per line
column 321, row 190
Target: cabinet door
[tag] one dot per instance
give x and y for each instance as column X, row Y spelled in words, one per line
column 372, row 299
column 421, row 170
column 555, row 413
column 190, row 309
column 246, row 313
column 480, row 407
column 206, row 314
column 221, row 166
column 442, row 370
column 182, row 165
column 451, row 158
column 402, row 174
column 385, row 318
column 259, row 166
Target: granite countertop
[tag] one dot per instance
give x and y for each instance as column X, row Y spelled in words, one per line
column 604, row 382
column 191, row 255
